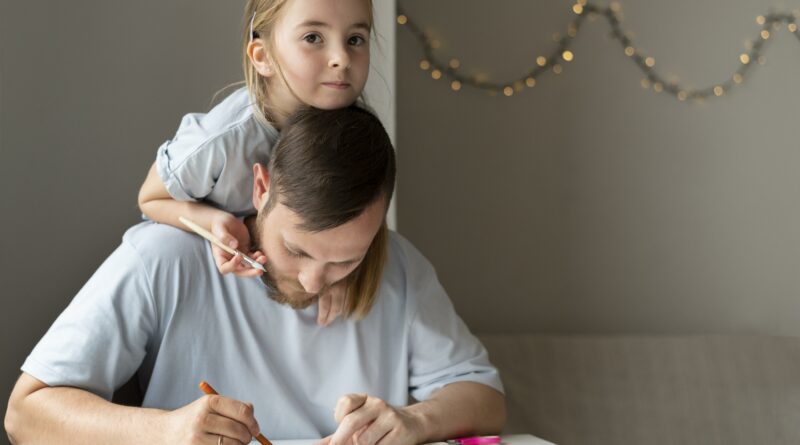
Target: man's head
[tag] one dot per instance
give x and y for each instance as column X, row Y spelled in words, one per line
column 322, row 204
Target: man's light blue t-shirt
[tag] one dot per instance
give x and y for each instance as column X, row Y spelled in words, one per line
column 212, row 154
column 159, row 305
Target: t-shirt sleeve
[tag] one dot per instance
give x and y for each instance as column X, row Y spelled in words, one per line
column 187, row 164
column 99, row 341
column 211, row 157
column 442, row 349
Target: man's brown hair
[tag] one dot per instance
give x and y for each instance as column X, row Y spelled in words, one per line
column 328, row 167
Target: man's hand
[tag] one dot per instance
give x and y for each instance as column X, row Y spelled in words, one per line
column 365, row 420
column 210, row 418
column 332, row 303
column 232, row 232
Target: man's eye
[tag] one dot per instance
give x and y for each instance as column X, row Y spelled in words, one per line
column 294, row 254
column 312, row 38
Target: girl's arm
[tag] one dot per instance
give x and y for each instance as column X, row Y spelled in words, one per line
column 158, row 205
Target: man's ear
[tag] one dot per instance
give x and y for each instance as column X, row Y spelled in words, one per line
column 260, row 57
column 260, row 186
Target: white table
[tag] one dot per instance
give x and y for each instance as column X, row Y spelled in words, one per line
column 509, row 439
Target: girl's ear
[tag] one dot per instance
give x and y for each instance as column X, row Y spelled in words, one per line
column 260, row 57
column 260, row 185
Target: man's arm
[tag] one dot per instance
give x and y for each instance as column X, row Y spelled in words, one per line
column 461, row 409
column 456, row 410
column 40, row 414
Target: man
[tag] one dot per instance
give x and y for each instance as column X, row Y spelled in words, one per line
column 158, row 306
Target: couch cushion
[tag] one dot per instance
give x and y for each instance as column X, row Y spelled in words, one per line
column 683, row 390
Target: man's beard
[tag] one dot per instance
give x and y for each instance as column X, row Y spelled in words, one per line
column 296, row 298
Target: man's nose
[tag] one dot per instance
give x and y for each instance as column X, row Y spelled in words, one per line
column 312, row 278
column 339, row 57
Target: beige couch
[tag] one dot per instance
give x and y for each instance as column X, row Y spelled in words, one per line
column 626, row 390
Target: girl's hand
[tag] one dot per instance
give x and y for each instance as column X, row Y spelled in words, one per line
column 233, row 232
column 332, row 303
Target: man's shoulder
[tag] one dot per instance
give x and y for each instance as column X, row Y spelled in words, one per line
column 405, row 262
column 403, row 251
column 153, row 240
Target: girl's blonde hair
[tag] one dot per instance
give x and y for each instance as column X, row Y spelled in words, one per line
column 260, row 18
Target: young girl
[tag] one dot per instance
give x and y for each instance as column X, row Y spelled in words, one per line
column 295, row 52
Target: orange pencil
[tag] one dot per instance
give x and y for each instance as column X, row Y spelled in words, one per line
column 209, row 390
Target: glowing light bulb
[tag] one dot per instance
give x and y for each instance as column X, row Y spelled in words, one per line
column 568, row 55
column 454, row 63
column 455, row 85
column 719, row 91
column 541, row 61
column 737, row 78
column 651, row 62
column 530, row 81
column 436, row 74
column 572, row 31
column 577, row 8
column 658, row 87
column 401, row 19
column 764, row 34
column 629, row 51
column 745, row 58
column 761, row 20
column 508, row 91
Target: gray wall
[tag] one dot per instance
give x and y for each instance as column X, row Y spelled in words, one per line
column 589, row 205
column 88, row 91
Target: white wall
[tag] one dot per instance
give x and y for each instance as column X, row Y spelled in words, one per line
column 380, row 89
column 588, row 204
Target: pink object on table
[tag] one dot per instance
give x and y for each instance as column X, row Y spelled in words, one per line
column 476, row 440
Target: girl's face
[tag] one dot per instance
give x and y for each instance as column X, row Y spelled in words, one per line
column 321, row 48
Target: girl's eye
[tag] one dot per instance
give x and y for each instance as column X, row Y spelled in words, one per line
column 356, row 41
column 312, row 38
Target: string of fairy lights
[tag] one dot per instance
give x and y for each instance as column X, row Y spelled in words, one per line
column 554, row 62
